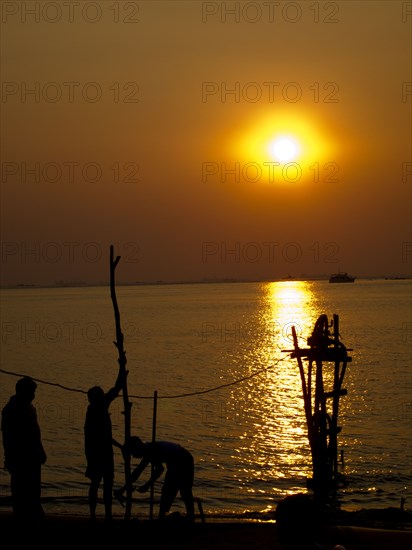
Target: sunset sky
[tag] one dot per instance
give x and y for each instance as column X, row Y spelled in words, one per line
column 205, row 140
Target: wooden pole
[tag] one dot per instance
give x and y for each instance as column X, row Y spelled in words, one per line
column 320, row 458
column 122, row 364
column 306, row 396
column 153, row 441
column 339, row 373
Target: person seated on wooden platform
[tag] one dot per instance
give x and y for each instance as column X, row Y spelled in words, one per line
column 298, row 524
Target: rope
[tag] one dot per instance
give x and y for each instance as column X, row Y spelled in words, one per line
column 178, row 396
column 238, row 381
column 43, row 381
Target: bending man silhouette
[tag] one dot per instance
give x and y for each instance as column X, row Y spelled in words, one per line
column 99, row 444
column 23, row 452
column 179, row 472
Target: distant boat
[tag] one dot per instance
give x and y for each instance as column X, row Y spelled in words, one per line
column 341, row 277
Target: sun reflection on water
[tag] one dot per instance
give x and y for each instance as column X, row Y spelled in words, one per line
column 273, row 444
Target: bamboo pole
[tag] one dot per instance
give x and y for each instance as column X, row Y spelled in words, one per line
column 122, row 364
column 306, row 396
column 320, row 460
column 339, row 373
column 153, row 441
column 337, row 383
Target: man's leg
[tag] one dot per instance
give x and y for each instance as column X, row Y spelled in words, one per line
column 33, row 488
column 169, row 492
column 18, row 499
column 187, row 497
column 108, row 497
column 26, row 492
column 186, row 484
column 93, row 488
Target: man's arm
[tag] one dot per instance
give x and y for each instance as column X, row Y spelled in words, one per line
column 133, row 477
column 139, row 469
column 114, row 392
column 37, row 431
column 7, row 451
column 8, row 440
column 157, row 472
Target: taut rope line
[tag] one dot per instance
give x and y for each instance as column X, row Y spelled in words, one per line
column 177, row 396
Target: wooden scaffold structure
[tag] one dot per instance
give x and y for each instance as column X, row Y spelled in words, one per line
column 322, row 406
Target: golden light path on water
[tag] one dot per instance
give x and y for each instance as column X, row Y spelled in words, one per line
column 274, row 442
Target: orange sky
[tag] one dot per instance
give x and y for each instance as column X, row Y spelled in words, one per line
column 146, row 124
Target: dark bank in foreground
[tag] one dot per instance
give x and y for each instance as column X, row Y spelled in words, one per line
column 363, row 530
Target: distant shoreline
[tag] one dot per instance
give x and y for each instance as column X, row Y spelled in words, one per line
column 196, row 282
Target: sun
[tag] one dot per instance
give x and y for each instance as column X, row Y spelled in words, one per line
column 284, row 149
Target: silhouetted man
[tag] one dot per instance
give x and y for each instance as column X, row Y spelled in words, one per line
column 298, row 523
column 99, row 445
column 179, row 472
column 23, row 452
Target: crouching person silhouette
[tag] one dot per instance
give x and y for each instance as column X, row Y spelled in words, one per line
column 179, row 472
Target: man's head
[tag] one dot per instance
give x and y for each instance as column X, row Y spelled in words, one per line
column 26, row 388
column 95, row 395
column 135, row 446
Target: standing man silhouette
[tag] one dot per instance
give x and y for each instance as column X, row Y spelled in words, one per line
column 23, row 452
column 99, row 444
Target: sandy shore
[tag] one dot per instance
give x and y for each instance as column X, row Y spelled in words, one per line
column 74, row 531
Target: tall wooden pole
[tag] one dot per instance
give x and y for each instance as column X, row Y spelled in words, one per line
column 305, row 388
column 122, row 364
column 153, row 441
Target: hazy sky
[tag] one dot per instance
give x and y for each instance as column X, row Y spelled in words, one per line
column 157, row 126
